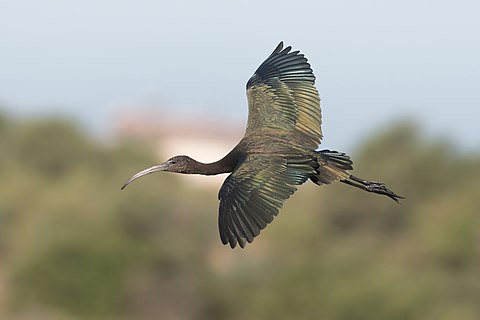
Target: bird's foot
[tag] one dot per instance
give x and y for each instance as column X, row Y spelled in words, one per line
column 380, row 188
column 374, row 186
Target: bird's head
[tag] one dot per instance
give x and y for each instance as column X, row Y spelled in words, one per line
column 179, row 164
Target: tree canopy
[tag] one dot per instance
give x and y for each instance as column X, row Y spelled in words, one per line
column 73, row 246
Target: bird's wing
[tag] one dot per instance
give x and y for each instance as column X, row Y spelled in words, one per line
column 254, row 192
column 282, row 98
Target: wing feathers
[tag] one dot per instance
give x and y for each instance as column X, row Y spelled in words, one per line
column 252, row 195
column 286, row 65
column 282, row 96
column 282, row 101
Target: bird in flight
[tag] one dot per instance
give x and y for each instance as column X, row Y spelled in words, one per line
column 277, row 153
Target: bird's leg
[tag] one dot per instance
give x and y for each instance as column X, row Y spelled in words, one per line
column 372, row 186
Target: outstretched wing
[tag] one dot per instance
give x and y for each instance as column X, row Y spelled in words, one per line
column 282, row 98
column 254, row 192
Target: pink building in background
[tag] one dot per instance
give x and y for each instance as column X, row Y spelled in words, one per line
column 202, row 138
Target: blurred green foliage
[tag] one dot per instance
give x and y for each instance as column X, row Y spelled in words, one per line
column 73, row 246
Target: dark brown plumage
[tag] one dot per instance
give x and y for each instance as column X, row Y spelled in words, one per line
column 277, row 152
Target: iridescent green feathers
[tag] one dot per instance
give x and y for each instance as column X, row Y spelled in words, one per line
column 282, row 98
column 253, row 194
column 283, row 102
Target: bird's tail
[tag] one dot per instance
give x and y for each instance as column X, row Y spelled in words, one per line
column 334, row 166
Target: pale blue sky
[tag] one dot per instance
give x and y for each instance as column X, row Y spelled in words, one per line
column 375, row 61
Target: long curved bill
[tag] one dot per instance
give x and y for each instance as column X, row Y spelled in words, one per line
column 160, row 167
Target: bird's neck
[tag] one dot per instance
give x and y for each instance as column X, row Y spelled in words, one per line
column 225, row 165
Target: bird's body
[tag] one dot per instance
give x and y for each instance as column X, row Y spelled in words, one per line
column 277, row 152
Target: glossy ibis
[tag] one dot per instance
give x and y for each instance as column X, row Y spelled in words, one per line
column 277, row 153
